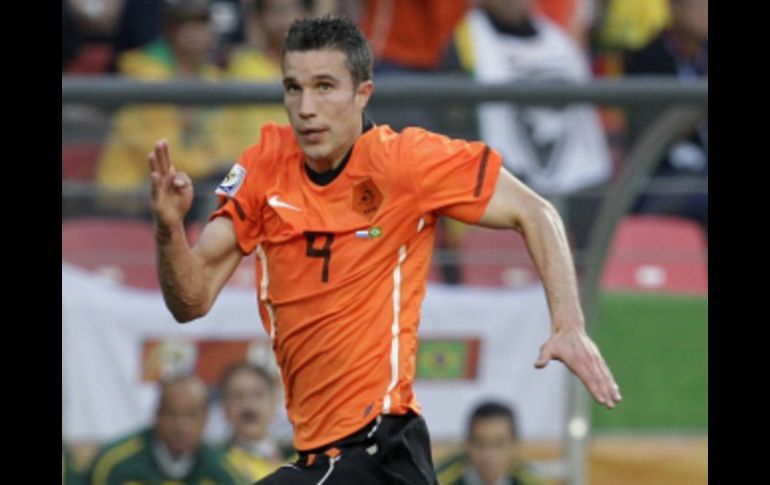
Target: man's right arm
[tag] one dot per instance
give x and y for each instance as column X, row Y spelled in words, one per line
column 191, row 278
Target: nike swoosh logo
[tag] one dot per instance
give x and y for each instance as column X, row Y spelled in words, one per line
column 275, row 202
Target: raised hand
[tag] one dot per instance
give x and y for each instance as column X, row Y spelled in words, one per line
column 172, row 191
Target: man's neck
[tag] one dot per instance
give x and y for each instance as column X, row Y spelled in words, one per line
column 472, row 477
column 176, row 467
column 263, row 447
column 186, row 66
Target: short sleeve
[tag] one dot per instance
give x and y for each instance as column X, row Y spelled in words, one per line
column 451, row 177
column 240, row 196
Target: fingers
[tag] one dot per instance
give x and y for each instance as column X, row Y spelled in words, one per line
column 600, row 382
column 588, row 374
column 544, row 358
column 160, row 166
column 602, row 385
column 164, row 149
column 153, row 161
column 584, row 359
column 156, row 181
column 578, row 352
column 162, row 173
column 163, row 161
column 181, row 180
column 612, row 388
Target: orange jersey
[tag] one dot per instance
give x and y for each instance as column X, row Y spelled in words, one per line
column 342, row 268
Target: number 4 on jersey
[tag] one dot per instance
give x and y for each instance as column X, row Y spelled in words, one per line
column 325, row 252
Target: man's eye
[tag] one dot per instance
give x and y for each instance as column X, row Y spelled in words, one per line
column 325, row 87
column 292, row 88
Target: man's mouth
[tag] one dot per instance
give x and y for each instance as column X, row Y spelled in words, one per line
column 312, row 134
column 249, row 416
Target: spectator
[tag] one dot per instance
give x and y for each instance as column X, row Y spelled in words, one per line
column 556, row 150
column 172, row 449
column 71, row 474
column 410, row 37
column 267, row 22
column 682, row 51
column 491, row 451
column 199, row 134
column 250, row 402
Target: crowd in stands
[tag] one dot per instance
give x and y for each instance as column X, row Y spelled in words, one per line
column 172, row 448
column 559, row 152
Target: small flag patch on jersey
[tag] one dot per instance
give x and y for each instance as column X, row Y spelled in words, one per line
column 369, row 233
column 232, row 181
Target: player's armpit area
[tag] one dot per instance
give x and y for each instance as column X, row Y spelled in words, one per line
column 511, row 203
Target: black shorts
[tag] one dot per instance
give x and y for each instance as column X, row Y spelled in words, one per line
column 389, row 450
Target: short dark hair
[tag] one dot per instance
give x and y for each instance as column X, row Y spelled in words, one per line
column 333, row 32
column 494, row 409
column 258, row 370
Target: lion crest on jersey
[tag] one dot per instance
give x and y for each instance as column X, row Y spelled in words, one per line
column 367, row 198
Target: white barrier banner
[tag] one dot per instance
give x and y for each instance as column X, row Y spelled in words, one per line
column 476, row 343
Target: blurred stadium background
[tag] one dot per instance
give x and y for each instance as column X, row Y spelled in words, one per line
column 643, row 265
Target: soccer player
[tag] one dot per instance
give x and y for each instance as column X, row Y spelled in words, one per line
column 341, row 213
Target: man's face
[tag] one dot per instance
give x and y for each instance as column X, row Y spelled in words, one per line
column 324, row 107
column 249, row 404
column 182, row 417
column 491, row 448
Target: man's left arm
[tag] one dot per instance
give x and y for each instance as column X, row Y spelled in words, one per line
column 513, row 205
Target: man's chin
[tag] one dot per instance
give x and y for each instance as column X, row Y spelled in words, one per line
column 314, row 152
column 177, row 451
column 252, row 433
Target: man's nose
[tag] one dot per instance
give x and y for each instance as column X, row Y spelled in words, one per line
column 307, row 106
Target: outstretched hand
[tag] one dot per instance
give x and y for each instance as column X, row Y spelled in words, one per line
column 576, row 350
column 172, row 191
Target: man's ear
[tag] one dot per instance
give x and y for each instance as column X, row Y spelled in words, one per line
column 363, row 93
